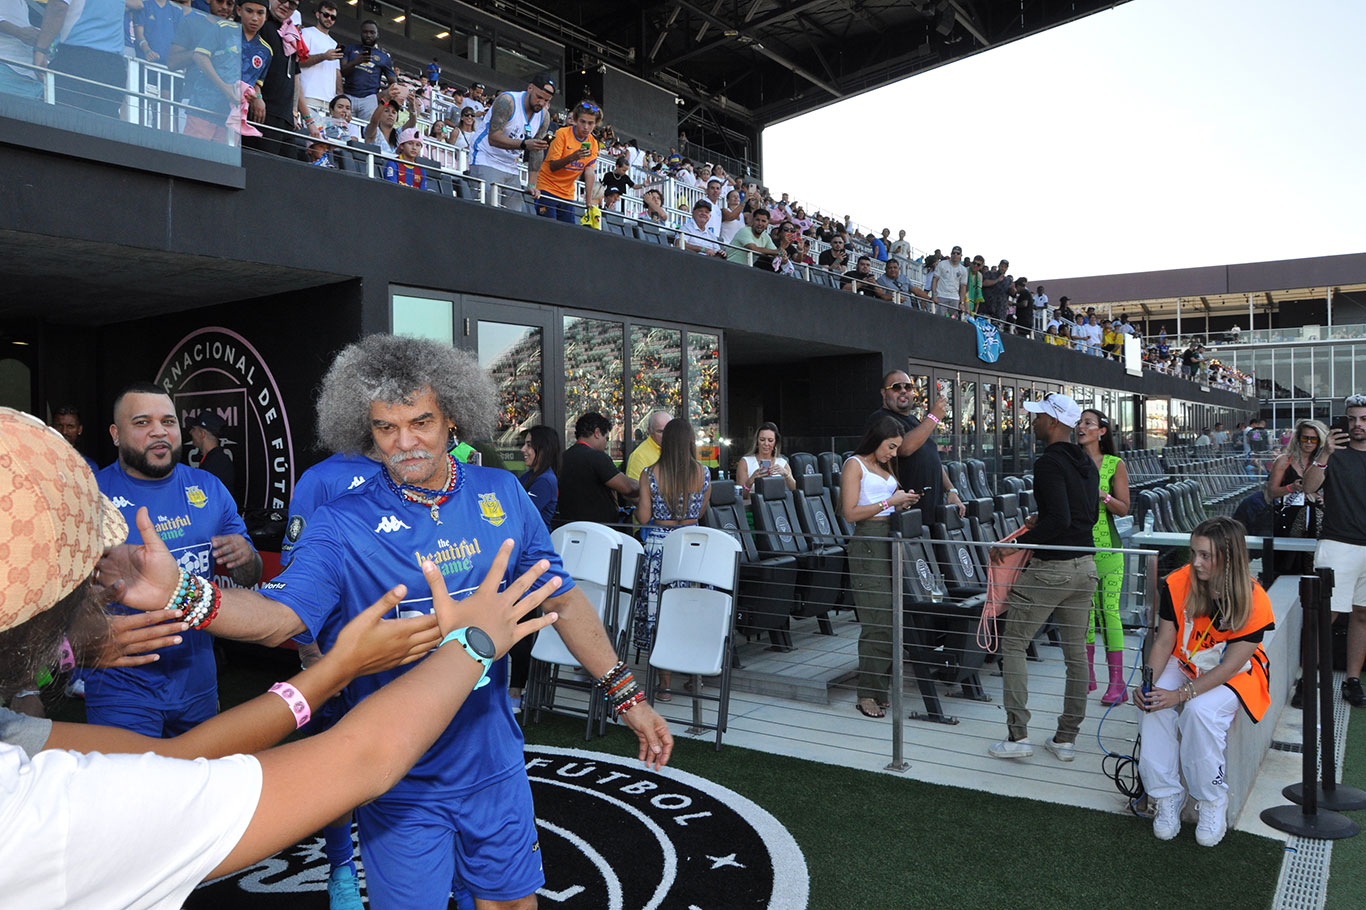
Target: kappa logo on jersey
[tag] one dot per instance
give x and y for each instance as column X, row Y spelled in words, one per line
column 121, row 503
column 690, row 843
column 196, row 497
column 390, row 523
column 356, row 481
column 491, row 510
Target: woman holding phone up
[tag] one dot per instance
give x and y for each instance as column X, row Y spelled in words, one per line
column 764, row 459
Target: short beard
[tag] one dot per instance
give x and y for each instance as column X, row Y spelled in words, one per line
column 131, row 458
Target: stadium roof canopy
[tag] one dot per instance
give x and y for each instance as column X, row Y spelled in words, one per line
column 762, row 61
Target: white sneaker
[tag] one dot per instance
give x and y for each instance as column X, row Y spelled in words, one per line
column 1209, row 830
column 1020, row 748
column 1061, row 751
column 1167, row 821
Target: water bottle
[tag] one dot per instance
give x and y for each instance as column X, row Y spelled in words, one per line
column 1148, row 522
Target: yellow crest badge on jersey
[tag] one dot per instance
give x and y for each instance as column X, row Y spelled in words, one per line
column 491, row 509
column 196, row 497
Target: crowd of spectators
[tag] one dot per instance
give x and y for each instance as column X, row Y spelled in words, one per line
column 301, row 80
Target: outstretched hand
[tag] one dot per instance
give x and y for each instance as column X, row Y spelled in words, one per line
column 131, row 638
column 496, row 612
column 369, row 643
column 144, row 576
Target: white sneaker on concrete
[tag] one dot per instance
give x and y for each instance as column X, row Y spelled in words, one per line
column 1061, row 751
column 1167, row 821
column 1020, row 748
column 1209, row 830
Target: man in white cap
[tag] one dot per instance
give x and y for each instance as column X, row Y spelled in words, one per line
column 1056, row 583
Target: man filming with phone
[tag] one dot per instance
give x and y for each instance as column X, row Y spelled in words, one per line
column 1342, row 546
column 365, row 69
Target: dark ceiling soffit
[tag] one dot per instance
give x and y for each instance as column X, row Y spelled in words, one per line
column 749, row 29
column 758, row 46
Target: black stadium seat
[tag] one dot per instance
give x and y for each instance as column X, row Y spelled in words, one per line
column 778, row 531
column 766, row 582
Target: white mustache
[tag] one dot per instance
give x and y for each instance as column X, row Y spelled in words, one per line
column 398, row 457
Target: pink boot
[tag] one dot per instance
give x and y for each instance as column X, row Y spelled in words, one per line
column 1091, row 666
column 1117, row 693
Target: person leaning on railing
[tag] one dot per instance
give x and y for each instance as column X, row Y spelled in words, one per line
column 1208, row 661
column 869, row 494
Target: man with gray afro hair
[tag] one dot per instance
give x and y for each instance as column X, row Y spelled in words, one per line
column 426, row 519
column 389, row 369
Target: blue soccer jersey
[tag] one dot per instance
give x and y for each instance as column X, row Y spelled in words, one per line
column 256, row 56
column 159, row 26
column 321, row 484
column 188, row 508
column 368, row 540
column 220, row 40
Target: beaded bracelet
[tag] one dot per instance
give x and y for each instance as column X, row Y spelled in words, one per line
column 1188, row 689
column 298, row 705
column 636, row 698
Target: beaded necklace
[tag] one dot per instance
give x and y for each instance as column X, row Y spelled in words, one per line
column 433, row 499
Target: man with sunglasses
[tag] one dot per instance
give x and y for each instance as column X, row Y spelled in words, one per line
column 518, row 122
column 320, row 77
column 918, row 466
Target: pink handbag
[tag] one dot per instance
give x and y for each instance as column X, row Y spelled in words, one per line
column 1001, row 578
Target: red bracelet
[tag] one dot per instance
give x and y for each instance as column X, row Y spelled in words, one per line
column 213, row 611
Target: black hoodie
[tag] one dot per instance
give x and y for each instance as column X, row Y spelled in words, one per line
column 1067, row 490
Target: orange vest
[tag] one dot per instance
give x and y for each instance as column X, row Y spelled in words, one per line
column 1252, row 686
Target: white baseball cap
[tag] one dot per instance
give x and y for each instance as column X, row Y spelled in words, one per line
column 1056, row 405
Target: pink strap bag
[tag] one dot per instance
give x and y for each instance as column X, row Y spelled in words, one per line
column 1001, row 578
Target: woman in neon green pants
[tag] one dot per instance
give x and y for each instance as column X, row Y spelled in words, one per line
column 1093, row 433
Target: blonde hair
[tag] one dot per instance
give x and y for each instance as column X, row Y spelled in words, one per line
column 1292, row 447
column 1228, row 539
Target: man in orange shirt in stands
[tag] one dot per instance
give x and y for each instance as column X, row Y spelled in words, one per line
column 572, row 152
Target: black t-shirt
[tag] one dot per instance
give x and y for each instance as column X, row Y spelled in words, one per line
column 612, row 181
column 864, row 284
column 584, row 494
column 1167, row 610
column 1344, row 497
column 827, row 259
column 922, row 468
column 220, row 465
column 277, row 86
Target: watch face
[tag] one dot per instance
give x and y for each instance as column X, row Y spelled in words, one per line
column 480, row 643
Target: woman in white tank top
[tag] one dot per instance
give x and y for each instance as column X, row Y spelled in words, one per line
column 868, row 494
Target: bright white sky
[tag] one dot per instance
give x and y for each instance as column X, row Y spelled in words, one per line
column 1160, row 134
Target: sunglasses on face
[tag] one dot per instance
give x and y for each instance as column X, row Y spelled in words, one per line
column 1309, row 438
column 900, row 387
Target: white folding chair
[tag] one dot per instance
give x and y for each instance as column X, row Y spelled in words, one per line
column 695, row 624
column 632, row 564
column 591, row 554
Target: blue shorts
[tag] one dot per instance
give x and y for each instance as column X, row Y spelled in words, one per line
column 417, row 851
column 549, row 205
column 153, row 720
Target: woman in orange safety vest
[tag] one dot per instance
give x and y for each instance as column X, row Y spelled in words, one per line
column 1208, row 662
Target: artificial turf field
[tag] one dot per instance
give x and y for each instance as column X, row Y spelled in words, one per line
column 882, row 841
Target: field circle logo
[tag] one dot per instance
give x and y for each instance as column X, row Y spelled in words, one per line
column 690, row 841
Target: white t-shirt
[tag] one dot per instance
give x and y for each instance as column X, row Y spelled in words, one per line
column 91, row 831
column 951, row 278
column 12, row 48
column 320, row 79
column 752, row 461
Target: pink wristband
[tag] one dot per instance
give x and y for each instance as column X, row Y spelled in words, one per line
column 298, row 705
column 932, row 416
column 1107, row 499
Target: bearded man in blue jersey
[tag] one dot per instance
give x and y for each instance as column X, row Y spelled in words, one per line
column 197, row 518
column 462, row 820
